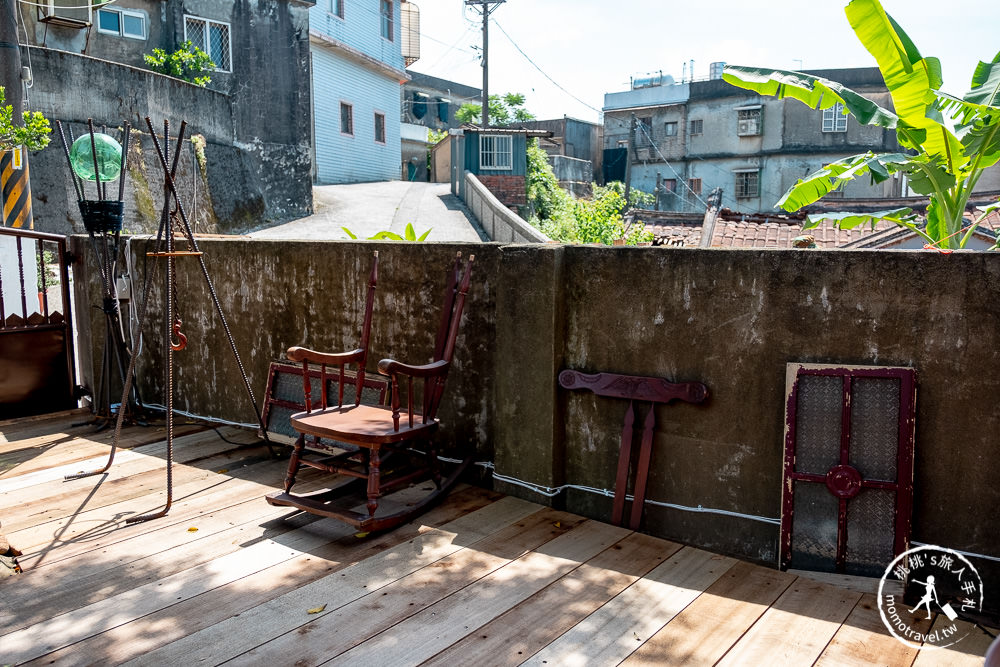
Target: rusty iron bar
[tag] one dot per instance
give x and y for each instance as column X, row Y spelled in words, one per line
column 169, row 183
column 130, row 373
column 93, row 149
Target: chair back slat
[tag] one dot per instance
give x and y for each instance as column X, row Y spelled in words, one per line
column 306, row 385
column 366, row 328
column 322, row 388
column 456, row 300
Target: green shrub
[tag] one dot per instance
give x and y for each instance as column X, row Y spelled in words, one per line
column 188, row 62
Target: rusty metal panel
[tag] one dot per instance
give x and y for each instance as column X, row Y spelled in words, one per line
column 36, row 344
column 847, row 492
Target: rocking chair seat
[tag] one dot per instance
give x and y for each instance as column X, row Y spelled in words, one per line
column 362, row 425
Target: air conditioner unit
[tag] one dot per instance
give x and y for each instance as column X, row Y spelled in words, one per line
column 643, row 154
column 73, row 14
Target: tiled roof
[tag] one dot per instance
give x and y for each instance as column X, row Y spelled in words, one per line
column 745, row 234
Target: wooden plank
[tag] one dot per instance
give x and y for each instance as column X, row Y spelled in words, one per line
column 967, row 652
column 287, row 613
column 796, row 629
column 133, row 640
column 709, row 626
column 131, row 479
column 70, row 449
column 161, row 551
column 91, row 620
column 518, row 633
column 102, row 527
column 431, row 630
column 851, row 582
column 158, row 449
column 15, row 424
column 353, row 623
column 613, row 632
column 864, row 640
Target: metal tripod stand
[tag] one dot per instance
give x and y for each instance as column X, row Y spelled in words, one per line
column 102, row 218
column 174, row 227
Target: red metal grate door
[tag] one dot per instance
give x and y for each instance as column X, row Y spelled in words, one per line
column 847, row 492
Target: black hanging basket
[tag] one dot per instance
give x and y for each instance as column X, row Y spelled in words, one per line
column 102, row 216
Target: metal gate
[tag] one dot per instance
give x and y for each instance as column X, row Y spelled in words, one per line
column 36, row 336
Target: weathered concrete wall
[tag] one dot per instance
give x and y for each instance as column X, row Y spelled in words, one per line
column 500, row 223
column 730, row 319
column 257, row 158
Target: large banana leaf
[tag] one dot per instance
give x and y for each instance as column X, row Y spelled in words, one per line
column 819, row 183
column 816, row 92
column 911, row 80
column 986, row 85
column 900, row 216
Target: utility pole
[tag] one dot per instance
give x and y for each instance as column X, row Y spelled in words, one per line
column 15, row 190
column 487, row 7
column 10, row 58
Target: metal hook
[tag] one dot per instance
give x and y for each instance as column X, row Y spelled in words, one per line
column 181, row 338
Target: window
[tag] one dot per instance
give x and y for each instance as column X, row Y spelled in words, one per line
column 670, row 129
column 697, row 126
column 747, row 184
column 387, row 26
column 212, row 37
column 346, row 118
column 834, row 119
column 496, row 151
column 644, row 131
column 121, row 22
column 694, row 185
column 337, row 8
column 623, row 143
column 670, row 185
column 379, row 128
column 748, row 121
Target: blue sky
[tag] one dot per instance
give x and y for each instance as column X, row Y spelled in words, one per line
column 590, row 47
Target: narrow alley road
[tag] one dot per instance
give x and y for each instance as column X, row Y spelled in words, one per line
column 368, row 208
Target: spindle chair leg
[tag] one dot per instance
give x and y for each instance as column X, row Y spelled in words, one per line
column 293, row 462
column 374, row 479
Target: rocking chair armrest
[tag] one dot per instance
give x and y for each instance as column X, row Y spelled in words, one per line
column 329, row 358
column 392, row 367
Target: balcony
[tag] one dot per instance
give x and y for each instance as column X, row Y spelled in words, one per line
column 500, row 570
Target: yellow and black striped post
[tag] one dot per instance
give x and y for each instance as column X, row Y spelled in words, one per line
column 15, row 189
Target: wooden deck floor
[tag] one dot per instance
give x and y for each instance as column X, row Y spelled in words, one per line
column 481, row 580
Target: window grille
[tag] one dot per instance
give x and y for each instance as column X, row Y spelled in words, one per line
column 380, row 128
column 496, row 151
column 694, row 184
column 346, row 118
column 387, row 19
column 834, row 119
column 212, row 37
column 747, row 184
column 748, row 122
column 697, row 126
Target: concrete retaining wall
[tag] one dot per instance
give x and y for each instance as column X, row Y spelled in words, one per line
column 249, row 177
column 500, row 223
column 730, row 319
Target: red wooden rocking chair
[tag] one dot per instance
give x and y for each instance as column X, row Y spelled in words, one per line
column 383, row 448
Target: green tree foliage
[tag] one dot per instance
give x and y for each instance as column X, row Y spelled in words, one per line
column 503, row 110
column 33, row 133
column 561, row 218
column 950, row 141
column 188, row 62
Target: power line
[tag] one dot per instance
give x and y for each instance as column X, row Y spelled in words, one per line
column 556, row 84
column 683, row 181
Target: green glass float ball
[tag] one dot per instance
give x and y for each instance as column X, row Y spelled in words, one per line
column 109, row 157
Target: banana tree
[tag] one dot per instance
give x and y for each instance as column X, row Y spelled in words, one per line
column 947, row 141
